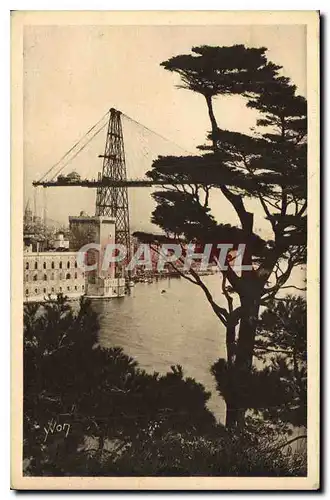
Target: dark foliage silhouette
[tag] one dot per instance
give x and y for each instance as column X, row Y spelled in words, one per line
column 124, row 421
column 269, row 166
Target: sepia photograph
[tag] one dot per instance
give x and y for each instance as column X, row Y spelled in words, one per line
column 165, row 324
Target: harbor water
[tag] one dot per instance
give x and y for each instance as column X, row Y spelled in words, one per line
column 168, row 322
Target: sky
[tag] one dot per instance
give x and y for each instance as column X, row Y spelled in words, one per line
column 74, row 74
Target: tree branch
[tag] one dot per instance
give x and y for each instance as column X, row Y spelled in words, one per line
column 220, row 312
column 295, row 287
column 246, row 218
column 287, row 443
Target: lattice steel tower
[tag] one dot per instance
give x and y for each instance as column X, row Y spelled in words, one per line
column 113, row 201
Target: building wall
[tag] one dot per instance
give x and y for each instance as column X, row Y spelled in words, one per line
column 107, row 287
column 58, row 272
column 94, row 229
column 51, row 273
column 83, row 230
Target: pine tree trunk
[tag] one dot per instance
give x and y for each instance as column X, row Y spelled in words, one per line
column 213, row 120
column 234, row 411
column 237, row 402
column 230, row 343
column 250, row 303
column 246, row 336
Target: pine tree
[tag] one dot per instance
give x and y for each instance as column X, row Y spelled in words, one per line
column 268, row 166
column 101, row 393
column 281, row 343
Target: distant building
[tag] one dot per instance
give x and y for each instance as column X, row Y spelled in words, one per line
column 28, row 216
column 33, row 232
column 53, row 272
column 85, row 229
column 60, row 242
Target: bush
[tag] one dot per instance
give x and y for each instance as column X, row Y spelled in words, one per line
column 92, row 411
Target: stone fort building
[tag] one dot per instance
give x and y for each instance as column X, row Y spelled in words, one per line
column 52, row 272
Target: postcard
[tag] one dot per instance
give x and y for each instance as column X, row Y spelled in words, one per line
column 165, row 282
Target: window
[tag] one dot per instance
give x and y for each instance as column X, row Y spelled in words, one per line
column 26, row 277
column 68, row 265
column 75, row 288
column 68, row 288
column 61, row 276
column 68, row 276
column 36, row 290
column 60, row 265
column 82, row 287
column 52, row 289
column 45, row 290
column 53, row 265
column 35, row 277
column 76, row 264
column 44, row 265
column 27, row 266
column 27, row 291
column 36, row 265
column 45, row 277
column 60, row 288
column 53, row 276
column 75, row 276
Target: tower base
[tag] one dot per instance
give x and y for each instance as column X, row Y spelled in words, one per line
column 106, row 288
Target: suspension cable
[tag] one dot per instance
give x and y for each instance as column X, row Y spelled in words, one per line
column 153, row 132
column 79, row 150
column 73, row 147
column 159, row 135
